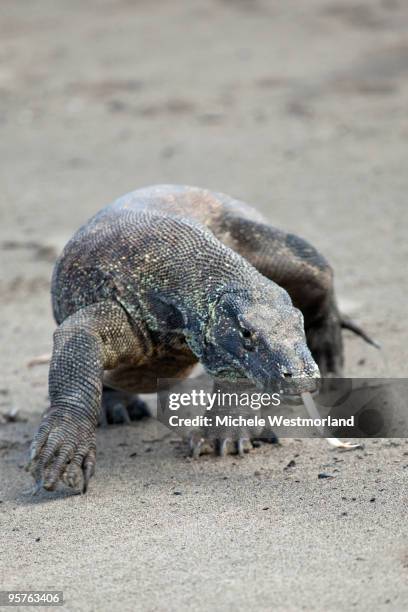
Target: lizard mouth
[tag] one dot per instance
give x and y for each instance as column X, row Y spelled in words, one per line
column 230, row 374
column 296, row 386
column 289, row 388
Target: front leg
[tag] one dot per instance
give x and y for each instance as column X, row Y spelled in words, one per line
column 93, row 339
column 220, row 437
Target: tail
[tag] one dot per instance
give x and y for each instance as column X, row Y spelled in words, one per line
column 347, row 323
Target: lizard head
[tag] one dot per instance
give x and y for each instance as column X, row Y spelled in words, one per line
column 257, row 334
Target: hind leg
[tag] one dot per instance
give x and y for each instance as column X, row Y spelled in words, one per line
column 121, row 407
column 324, row 339
column 120, row 400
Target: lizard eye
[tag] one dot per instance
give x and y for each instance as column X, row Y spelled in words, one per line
column 248, row 339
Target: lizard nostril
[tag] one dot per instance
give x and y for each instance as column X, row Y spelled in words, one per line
column 287, row 374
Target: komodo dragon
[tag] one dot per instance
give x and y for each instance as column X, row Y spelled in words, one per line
column 165, row 277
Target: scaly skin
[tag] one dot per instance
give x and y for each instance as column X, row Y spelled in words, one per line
column 161, row 279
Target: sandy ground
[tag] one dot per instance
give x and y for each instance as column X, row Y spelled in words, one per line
column 298, row 107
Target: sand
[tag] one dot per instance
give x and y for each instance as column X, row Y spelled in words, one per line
column 297, row 107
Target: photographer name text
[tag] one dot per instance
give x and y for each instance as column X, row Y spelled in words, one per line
column 258, row 421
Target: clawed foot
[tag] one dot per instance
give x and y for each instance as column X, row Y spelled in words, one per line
column 200, row 444
column 222, row 446
column 121, row 408
column 63, row 450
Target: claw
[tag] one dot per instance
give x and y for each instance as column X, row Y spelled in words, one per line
column 87, row 478
column 241, row 446
column 38, row 442
column 49, row 486
column 33, row 454
column 195, row 447
column 58, row 467
column 121, row 410
column 37, row 487
column 88, row 470
column 72, row 476
column 223, row 447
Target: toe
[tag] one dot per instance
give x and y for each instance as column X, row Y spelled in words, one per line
column 39, row 441
column 88, row 469
column 44, row 456
column 195, row 447
column 72, row 476
column 243, row 446
column 80, row 470
column 54, row 471
column 121, row 414
column 223, row 444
